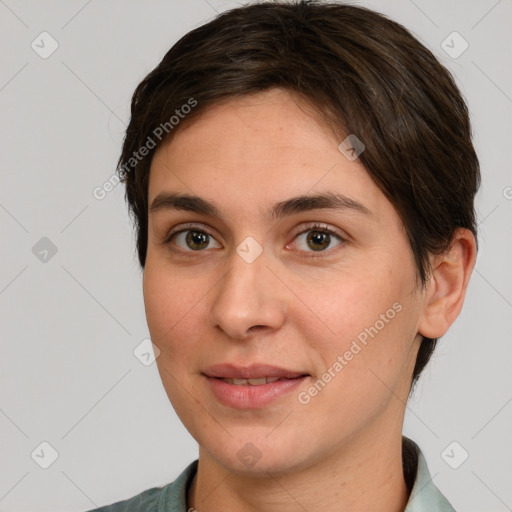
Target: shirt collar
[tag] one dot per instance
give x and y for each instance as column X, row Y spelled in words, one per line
column 424, row 495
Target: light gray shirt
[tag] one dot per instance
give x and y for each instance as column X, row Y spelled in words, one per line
column 424, row 495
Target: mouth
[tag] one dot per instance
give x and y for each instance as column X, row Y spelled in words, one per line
column 252, row 387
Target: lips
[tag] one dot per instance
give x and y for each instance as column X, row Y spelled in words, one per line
column 254, row 386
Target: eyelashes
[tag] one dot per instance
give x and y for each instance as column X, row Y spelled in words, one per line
column 314, row 239
column 320, row 236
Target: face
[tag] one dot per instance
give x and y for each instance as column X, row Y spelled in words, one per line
column 246, row 277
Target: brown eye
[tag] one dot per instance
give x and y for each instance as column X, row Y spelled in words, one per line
column 193, row 240
column 197, row 240
column 318, row 240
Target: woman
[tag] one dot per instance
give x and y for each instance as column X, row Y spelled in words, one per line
column 302, row 178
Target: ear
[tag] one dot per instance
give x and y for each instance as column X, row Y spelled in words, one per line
column 448, row 283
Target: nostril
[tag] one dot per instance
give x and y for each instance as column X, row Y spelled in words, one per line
column 256, row 327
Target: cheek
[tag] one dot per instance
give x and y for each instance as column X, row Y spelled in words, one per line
column 366, row 318
column 340, row 306
column 169, row 295
column 170, row 302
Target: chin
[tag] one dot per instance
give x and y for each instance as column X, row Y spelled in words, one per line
column 257, row 455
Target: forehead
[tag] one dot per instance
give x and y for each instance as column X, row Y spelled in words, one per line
column 267, row 146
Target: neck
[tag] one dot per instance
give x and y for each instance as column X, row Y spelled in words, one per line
column 365, row 474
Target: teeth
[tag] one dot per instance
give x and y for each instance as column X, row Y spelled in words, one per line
column 252, row 382
column 238, row 382
column 257, row 382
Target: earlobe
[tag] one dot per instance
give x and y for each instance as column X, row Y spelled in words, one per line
column 448, row 284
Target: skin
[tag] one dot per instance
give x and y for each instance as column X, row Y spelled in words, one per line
column 342, row 450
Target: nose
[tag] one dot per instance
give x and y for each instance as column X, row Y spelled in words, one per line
column 249, row 299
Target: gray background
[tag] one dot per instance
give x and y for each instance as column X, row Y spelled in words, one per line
column 70, row 324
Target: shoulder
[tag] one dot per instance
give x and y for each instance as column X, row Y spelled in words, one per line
column 146, row 501
column 169, row 498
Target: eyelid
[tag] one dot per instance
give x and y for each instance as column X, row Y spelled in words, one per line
column 187, row 226
column 304, row 228
column 319, row 226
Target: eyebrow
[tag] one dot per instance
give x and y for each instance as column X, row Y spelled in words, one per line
column 323, row 201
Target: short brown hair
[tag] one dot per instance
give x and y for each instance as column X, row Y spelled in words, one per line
column 365, row 75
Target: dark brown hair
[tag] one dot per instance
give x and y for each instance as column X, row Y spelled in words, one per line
column 363, row 73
